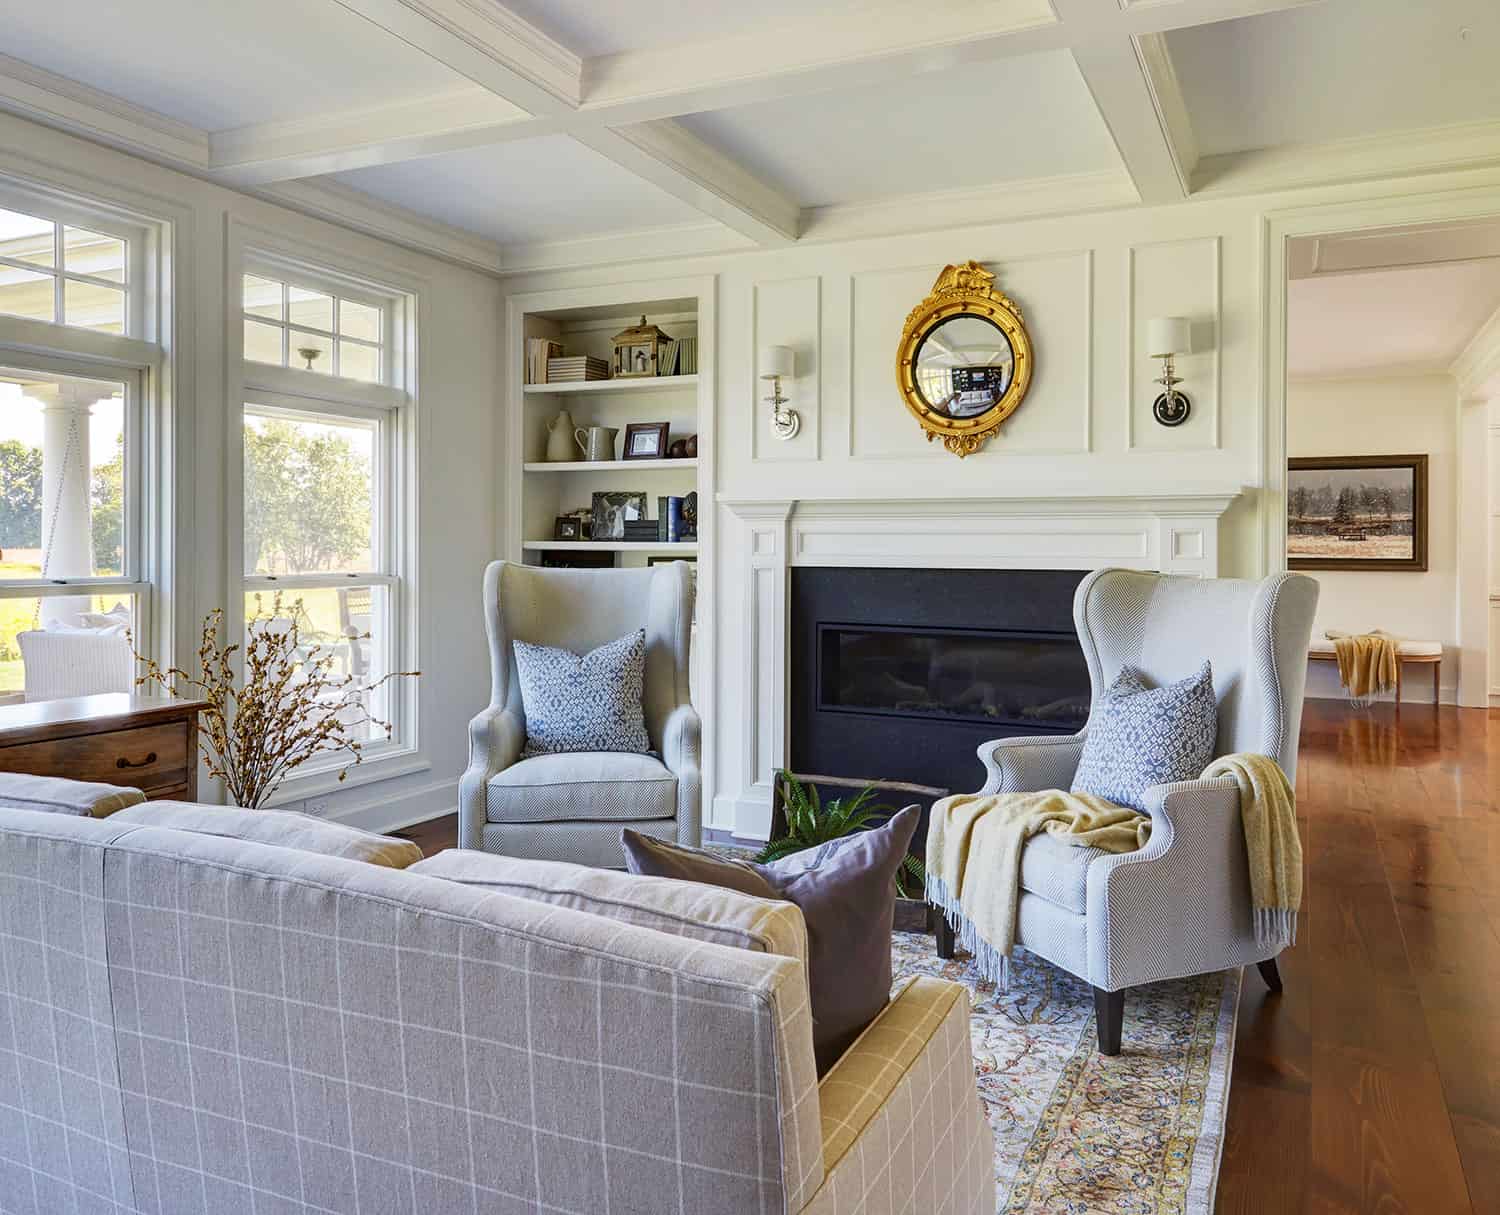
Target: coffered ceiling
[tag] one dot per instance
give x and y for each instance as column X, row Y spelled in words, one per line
column 540, row 133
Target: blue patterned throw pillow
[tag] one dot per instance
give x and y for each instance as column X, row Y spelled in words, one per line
column 589, row 702
column 1141, row 736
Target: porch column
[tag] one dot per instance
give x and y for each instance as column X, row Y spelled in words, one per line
column 67, row 528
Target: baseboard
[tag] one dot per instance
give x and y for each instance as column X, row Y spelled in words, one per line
column 386, row 814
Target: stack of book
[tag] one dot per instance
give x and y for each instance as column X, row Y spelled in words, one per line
column 538, row 351
column 640, row 531
column 576, row 368
column 687, row 358
column 668, row 525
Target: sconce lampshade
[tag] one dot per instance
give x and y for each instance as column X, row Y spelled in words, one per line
column 1169, row 335
column 777, row 361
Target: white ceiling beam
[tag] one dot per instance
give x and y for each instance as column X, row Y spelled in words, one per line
column 354, row 139
column 1132, row 82
column 487, row 44
column 673, row 159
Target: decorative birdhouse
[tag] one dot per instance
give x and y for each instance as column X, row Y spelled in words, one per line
column 637, row 349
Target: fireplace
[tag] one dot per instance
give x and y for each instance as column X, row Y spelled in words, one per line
column 900, row 674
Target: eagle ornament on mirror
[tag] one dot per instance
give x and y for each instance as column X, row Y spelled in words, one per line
column 965, row 359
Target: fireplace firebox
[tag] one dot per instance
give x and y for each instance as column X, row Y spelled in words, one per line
column 900, row 674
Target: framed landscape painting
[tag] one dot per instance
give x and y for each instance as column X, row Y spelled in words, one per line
column 1356, row 513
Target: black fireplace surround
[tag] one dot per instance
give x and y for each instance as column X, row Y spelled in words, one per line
column 900, row 674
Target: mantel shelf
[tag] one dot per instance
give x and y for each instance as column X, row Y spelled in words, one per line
column 653, row 383
column 685, row 547
column 575, row 466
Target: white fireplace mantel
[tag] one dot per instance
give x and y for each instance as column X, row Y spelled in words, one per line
column 1175, row 533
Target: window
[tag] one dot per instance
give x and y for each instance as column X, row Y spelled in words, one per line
column 326, row 512
column 56, row 272
column 314, row 330
column 70, row 582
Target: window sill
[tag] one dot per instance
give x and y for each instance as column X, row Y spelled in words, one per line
column 324, row 779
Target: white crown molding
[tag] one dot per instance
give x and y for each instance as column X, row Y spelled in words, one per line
column 624, row 248
column 1067, row 194
column 58, row 101
column 352, row 139
column 350, row 208
column 1477, row 367
column 1473, row 145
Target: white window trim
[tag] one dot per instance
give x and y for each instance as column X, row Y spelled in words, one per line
column 141, row 246
column 139, row 360
column 252, row 251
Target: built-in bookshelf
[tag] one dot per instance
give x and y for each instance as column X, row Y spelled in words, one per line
column 583, row 321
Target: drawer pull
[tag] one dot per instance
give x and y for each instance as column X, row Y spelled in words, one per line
column 122, row 762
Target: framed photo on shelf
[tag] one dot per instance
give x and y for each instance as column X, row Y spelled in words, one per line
column 646, row 441
column 567, row 527
column 612, row 510
column 1356, row 513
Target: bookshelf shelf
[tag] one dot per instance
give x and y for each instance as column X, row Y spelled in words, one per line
column 588, row 466
column 656, row 383
column 684, row 548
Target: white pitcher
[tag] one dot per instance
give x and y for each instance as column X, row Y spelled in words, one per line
column 560, row 437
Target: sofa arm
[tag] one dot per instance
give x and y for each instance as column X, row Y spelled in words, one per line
column 1026, row 765
column 1180, row 905
column 915, row 1055
column 496, row 737
column 682, row 752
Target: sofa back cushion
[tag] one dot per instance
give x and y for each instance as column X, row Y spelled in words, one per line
column 58, row 795
column 283, row 828
column 392, row 1033
column 684, row 909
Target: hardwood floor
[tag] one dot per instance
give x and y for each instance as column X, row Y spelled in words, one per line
column 1372, row 1083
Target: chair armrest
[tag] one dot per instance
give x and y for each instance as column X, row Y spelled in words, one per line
column 918, row 1046
column 682, row 752
column 496, row 737
column 1026, row 765
column 1180, row 905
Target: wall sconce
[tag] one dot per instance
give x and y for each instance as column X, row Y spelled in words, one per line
column 775, row 362
column 1166, row 337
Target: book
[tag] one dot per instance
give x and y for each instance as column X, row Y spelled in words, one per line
column 674, row 519
column 538, row 351
column 687, row 362
column 667, row 364
column 576, row 368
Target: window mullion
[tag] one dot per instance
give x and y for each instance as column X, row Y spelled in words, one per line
column 59, row 317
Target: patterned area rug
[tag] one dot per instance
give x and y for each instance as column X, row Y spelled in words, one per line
column 1079, row 1134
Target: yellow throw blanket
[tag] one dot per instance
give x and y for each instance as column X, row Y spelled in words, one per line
column 974, row 857
column 1268, row 809
column 1367, row 662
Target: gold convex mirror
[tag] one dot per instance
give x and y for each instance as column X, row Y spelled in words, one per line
column 965, row 359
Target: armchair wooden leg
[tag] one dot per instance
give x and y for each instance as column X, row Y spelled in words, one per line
column 947, row 946
column 1270, row 974
column 1109, row 1012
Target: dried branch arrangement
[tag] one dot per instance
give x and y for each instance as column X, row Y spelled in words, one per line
column 290, row 707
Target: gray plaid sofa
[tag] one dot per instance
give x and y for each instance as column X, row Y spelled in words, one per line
column 190, row 1023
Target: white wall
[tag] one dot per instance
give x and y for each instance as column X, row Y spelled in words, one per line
column 1390, row 415
column 459, row 362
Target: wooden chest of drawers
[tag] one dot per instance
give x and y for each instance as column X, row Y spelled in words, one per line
column 149, row 742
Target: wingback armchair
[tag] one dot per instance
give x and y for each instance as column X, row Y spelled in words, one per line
column 1181, row 905
column 572, row 807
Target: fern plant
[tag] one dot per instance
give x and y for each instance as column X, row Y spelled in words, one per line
column 810, row 822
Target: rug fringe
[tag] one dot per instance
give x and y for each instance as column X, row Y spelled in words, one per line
column 993, row 965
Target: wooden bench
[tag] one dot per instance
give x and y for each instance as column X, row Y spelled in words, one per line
column 1428, row 652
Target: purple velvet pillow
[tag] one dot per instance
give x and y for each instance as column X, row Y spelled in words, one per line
column 847, row 892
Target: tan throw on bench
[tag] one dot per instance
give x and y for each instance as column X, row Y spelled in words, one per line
column 1324, row 649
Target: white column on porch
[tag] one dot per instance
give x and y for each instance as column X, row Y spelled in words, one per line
column 67, row 527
